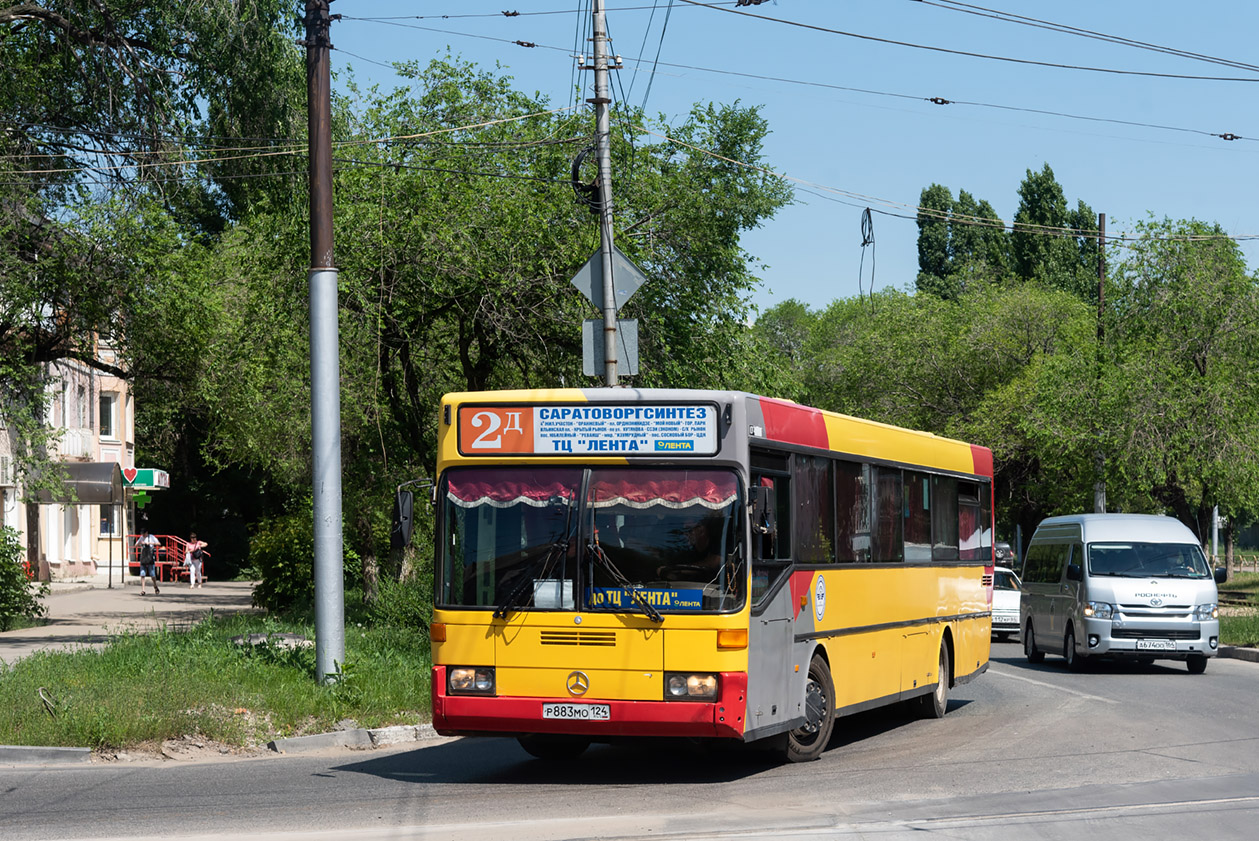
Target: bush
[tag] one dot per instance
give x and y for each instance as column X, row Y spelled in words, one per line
column 402, row 604
column 282, row 557
column 19, row 599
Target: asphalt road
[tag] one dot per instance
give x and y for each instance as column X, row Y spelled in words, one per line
column 1025, row 752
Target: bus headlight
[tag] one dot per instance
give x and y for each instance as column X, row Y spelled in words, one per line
column 471, row 680
column 684, row 686
column 1206, row 612
column 1099, row 610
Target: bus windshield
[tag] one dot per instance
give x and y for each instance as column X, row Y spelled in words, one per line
column 1148, row 560
column 646, row 541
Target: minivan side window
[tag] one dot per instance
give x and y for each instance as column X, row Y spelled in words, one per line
column 1044, row 563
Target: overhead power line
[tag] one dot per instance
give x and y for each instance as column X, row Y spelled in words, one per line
column 963, row 219
column 985, row 56
column 936, row 100
column 1009, row 17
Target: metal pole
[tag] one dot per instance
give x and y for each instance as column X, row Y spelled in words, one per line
column 325, row 385
column 1215, row 534
column 603, row 140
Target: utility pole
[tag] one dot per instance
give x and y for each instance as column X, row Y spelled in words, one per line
column 603, row 142
column 325, row 361
column 1099, row 485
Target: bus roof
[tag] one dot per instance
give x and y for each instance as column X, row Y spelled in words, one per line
column 774, row 419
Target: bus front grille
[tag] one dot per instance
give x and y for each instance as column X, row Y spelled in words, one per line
column 603, row 638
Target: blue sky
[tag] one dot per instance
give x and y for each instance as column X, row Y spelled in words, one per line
column 883, row 147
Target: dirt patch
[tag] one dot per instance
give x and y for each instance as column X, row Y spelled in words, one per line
column 185, row 749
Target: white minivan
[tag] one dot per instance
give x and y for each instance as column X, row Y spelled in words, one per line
column 1135, row 586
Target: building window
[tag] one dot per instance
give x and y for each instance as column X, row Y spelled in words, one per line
column 109, row 414
column 109, row 520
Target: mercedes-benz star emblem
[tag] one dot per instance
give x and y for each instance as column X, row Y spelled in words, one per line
column 578, row 683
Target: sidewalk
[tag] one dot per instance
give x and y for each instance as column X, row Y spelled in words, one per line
column 85, row 612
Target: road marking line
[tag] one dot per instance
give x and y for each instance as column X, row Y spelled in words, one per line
column 1013, row 676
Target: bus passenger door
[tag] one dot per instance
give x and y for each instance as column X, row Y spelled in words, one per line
column 771, row 630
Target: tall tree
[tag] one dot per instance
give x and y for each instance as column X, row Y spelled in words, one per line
column 960, row 243
column 1185, row 341
column 1052, row 243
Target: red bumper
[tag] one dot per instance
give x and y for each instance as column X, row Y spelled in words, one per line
column 458, row 715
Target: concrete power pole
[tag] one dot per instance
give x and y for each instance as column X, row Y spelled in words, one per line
column 1099, row 485
column 603, row 142
column 325, row 361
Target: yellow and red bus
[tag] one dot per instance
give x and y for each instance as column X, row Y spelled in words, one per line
column 616, row 562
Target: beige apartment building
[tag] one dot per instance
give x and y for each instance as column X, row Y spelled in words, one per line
column 93, row 418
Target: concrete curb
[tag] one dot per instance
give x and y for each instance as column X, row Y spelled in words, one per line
column 23, row 755
column 1238, row 652
column 357, row 739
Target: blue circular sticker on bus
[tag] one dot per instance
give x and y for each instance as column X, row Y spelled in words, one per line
column 819, row 598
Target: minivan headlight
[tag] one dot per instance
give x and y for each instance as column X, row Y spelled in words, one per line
column 1099, row 610
column 1206, row 612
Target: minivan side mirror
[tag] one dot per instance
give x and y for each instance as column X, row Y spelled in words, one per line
column 1075, row 572
column 1221, row 575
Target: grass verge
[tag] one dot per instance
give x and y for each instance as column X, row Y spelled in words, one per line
column 152, row 687
column 1241, row 628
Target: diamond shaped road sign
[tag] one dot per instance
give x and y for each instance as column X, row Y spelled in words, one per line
column 626, row 278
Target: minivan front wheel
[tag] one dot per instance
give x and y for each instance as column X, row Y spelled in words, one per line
column 1074, row 661
column 1197, row 663
column 1034, row 655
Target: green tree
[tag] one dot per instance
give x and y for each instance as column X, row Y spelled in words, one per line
column 1183, row 334
column 455, row 250
column 1051, row 243
column 960, row 243
column 19, row 598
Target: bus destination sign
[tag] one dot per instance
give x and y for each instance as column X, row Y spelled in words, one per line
column 588, row 429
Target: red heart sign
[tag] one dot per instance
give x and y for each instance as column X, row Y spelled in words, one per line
column 129, row 473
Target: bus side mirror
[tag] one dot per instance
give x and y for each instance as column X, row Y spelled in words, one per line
column 1075, row 572
column 400, row 532
column 1221, row 575
column 763, row 510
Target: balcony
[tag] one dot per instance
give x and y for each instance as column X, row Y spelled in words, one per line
column 77, row 443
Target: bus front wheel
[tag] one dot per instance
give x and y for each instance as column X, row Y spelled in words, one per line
column 806, row 742
column 553, row 748
column 936, row 704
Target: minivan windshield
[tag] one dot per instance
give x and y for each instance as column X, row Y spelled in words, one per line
column 1148, row 560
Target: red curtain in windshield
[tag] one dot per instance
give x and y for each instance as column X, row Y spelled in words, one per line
column 512, row 486
column 671, row 488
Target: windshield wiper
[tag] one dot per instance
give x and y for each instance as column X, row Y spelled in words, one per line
column 539, row 565
column 596, row 551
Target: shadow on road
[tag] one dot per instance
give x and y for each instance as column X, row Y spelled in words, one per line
column 497, row 761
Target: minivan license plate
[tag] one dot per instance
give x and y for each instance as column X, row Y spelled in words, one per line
column 1156, row 645
column 578, row 712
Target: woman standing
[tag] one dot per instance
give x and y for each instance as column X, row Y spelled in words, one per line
column 193, row 558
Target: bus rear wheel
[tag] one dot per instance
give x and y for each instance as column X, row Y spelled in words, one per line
column 553, row 748
column 806, row 742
